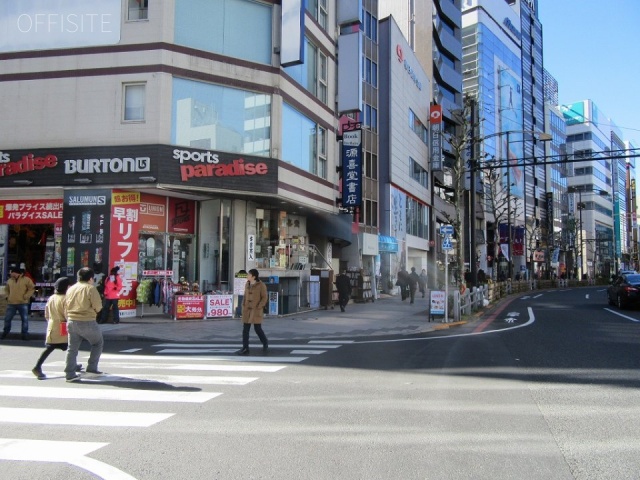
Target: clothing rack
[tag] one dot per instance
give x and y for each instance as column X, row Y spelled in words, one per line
column 164, row 294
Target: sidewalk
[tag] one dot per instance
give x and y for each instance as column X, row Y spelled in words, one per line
column 386, row 316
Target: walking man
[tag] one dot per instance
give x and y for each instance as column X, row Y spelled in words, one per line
column 414, row 279
column 20, row 289
column 83, row 305
column 343, row 285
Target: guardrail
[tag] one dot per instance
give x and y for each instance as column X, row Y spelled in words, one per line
column 476, row 298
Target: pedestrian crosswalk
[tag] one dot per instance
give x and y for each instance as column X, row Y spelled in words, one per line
column 167, row 374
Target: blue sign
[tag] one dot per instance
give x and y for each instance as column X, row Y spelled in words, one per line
column 352, row 169
column 446, row 243
column 446, row 230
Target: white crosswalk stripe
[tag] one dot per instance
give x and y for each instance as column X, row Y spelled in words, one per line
column 57, row 416
column 128, row 395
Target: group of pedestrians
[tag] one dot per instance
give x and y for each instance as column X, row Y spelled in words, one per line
column 71, row 313
column 409, row 283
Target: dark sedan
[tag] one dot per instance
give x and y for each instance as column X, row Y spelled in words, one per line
column 624, row 291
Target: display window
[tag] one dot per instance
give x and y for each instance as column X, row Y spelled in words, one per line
column 167, row 255
column 30, row 236
column 281, row 240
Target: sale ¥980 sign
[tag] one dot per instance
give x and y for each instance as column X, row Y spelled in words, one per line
column 219, row 306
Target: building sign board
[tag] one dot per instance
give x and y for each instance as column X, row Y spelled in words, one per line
column 352, row 168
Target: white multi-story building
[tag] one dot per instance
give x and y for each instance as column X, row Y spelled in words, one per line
column 204, row 131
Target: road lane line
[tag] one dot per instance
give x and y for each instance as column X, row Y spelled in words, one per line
column 96, row 418
column 531, row 321
column 56, row 451
column 621, row 315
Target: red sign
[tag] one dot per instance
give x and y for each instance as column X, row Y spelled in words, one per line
column 182, row 215
column 30, row 211
column 153, row 213
column 123, row 246
column 435, row 114
column 189, row 307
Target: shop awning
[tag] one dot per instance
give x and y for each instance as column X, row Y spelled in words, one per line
column 387, row 244
column 336, row 227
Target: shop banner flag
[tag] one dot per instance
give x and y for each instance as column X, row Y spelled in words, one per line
column 125, row 212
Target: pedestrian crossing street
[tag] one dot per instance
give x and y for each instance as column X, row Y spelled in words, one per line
column 168, row 373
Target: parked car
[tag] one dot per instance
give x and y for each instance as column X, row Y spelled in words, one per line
column 624, row 290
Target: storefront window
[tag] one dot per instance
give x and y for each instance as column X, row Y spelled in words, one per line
column 214, row 117
column 281, row 240
column 161, row 253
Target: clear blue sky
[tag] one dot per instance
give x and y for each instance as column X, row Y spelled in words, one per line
column 592, row 47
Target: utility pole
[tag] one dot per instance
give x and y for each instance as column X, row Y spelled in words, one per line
column 473, row 179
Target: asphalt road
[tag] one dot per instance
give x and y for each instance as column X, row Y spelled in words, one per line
column 546, row 388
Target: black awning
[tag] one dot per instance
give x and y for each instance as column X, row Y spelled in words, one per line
column 336, row 227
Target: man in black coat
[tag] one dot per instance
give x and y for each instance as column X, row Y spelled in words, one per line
column 343, row 285
column 414, row 279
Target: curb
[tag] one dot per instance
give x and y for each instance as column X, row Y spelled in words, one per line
column 446, row 326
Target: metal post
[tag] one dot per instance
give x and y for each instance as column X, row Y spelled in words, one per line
column 509, row 263
column 472, row 201
column 446, row 286
column 580, row 207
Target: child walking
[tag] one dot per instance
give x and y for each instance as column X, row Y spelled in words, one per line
column 55, row 313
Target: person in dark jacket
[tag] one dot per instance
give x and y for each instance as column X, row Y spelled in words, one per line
column 414, row 280
column 343, row 285
column 403, row 283
column 253, row 303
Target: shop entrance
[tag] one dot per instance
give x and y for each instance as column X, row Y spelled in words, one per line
column 37, row 246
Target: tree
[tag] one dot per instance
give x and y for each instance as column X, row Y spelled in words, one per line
column 534, row 233
column 571, row 240
column 460, row 143
column 498, row 202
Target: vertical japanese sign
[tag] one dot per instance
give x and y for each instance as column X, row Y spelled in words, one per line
column 125, row 212
column 352, row 168
column 251, row 248
column 85, row 228
column 435, row 137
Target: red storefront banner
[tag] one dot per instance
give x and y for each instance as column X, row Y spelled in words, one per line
column 153, row 213
column 182, row 215
column 31, row 211
column 123, row 246
column 189, row 307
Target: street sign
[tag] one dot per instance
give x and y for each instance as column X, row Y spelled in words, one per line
column 446, row 230
column 446, row 243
